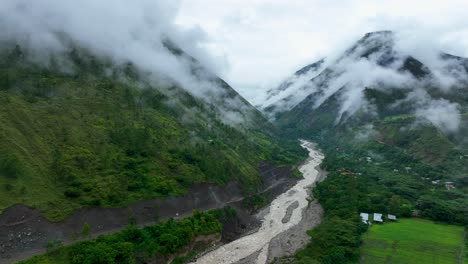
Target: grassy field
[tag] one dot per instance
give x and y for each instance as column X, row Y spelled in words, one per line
column 413, row 241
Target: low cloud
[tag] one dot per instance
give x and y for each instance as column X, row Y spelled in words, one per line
column 366, row 133
column 294, row 89
column 125, row 31
column 379, row 61
column 441, row 113
column 267, row 40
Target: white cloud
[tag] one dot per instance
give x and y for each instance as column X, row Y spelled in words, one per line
column 441, row 113
column 253, row 44
column 349, row 74
column 265, row 41
column 124, row 31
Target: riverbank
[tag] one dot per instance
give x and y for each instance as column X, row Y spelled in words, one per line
column 289, row 215
column 295, row 238
column 24, row 232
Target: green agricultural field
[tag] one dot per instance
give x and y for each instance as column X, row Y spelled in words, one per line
column 413, row 241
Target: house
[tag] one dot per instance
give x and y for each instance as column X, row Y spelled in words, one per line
column 449, row 185
column 391, row 217
column 436, row 182
column 378, row 218
column 364, row 217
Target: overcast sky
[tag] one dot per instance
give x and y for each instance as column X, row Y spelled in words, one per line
column 260, row 42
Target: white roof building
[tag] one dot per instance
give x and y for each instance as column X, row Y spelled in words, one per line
column 378, row 217
column 391, row 217
column 364, row 217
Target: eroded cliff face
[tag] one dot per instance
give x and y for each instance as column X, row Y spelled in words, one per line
column 25, row 232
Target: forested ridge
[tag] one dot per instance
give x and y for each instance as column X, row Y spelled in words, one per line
column 377, row 167
column 393, row 182
column 100, row 134
column 391, row 145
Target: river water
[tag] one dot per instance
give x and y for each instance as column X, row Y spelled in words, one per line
column 272, row 223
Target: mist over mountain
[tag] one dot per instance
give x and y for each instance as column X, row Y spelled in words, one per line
column 122, row 33
column 380, row 61
column 391, row 115
column 106, row 111
column 289, row 92
column 120, row 114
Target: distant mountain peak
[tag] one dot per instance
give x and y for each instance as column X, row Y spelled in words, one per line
column 292, row 88
column 379, row 44
column 310, row 67
column 375, row 62
column 379, row 33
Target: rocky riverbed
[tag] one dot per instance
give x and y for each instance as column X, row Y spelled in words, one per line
column 284, row 222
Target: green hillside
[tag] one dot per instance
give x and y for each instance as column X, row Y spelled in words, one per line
column 154, row 243
column 98, row 134
column 383, row 157
column 390, row 171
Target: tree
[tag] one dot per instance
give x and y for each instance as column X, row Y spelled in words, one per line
column 394, row 205
column 86, row 230
column 53, row 244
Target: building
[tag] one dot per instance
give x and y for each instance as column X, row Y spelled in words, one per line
column 378, row 218
column 449, row 185
column 391, row 217
column 364, row 217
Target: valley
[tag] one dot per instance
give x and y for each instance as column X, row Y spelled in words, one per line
column 122, row 140
column 285, row 212
column 387, row 138
column 24, row 231
column 281, row 220
column 102, row 151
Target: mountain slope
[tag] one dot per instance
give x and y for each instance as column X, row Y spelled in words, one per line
column 82, row 131
column 374, row 79
column 290, row 91
column 394, row 129
column 377, row 92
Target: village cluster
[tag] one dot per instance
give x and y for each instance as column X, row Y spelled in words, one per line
column 449, row 185
column 376, row 218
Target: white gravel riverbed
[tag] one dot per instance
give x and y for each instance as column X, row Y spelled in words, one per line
column 256, row 246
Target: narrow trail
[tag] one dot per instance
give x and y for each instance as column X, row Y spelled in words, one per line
column 272, row 223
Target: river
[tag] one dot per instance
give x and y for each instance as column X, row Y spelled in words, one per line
column 273, row 222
